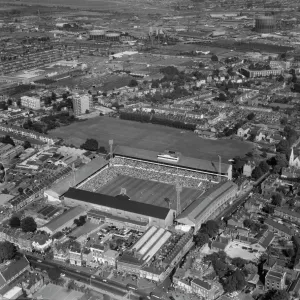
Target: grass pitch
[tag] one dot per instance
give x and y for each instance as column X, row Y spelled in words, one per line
column 149, row 192
column 150, row 137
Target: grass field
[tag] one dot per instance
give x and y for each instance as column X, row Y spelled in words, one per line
column 149, row 191
column 150, row 137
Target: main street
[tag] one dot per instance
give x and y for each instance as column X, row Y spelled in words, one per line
column 106, row 286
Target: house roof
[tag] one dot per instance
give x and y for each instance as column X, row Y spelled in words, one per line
column 274, row 275
column 218, row 245
column 117, row 203
column 62, row 219
column 279, row 227
column 266, row 239
column 14, row 268
column 202, row 283
column 288, row 212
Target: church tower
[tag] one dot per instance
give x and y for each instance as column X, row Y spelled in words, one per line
column 292, row 158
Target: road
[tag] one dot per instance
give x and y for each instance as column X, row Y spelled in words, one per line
column 110, row 287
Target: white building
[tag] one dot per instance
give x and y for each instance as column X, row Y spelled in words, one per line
column 82, row 104
column 31, row 102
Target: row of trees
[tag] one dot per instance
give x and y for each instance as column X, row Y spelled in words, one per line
column 147, row 118
column 27, row 224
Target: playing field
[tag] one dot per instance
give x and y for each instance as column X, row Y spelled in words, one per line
column 149, row 191
column 150, row 137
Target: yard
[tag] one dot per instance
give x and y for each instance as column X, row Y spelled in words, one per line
column 150, row 137
column 238, row 251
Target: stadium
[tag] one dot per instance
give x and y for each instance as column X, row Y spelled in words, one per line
column 137, row 185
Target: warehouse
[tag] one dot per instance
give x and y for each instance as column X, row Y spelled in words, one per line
column 208, row 204
column 64, row 220
column 120, row 207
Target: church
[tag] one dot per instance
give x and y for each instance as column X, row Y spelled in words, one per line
column 294, row 160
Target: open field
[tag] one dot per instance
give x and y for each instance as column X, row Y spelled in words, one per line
column 150, row 137
column 149, row 192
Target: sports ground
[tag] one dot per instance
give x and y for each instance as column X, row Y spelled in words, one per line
column 149, row 192
column 150, row 137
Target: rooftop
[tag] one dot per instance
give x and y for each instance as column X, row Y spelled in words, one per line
column 65, row 217
column 186, row 162
column 198, row 207
column 117, row 203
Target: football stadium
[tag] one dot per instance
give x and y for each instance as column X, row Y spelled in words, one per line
column 139, row 188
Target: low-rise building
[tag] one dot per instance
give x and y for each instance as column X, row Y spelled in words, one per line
column 275, row 279
column 280, row 229
column 64, row 220
column 286, row 213
column 209, row 291
column 31, row 102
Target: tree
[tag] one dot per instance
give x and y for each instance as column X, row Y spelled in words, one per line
column 251, row 116
column 277, row 199
column 283, row 121
column 14, row 222
column 90, row 144
column 283, row 147
column 257, row 173
column 201, row 239
column 276, row 295
column 289, row 252
column 211, row 227
column 239, row 262
column 54, row 273
column 87, row 111
column 28, row 224
column 247, row 223
column 20, row 190
column 53, row 96
column 9, row 102
column 7, row 251
column 133, row 83
column 264, row 166
column 235, row 282
column 251, row 268
column 7, row 140
column 26, row 145
column 214, row 58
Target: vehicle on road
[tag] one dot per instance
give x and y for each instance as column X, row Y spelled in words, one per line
column 39, row 261
column 104, row 280
column 63, row 275
column 77, row 271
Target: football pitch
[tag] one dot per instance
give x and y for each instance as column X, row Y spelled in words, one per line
column 150, row 137
column 149, row 192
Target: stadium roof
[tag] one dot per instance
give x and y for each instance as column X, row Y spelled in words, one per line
column 184, row 162
column 80, row 175
column 62, row 219
column 118, row 203
column 199, row 206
